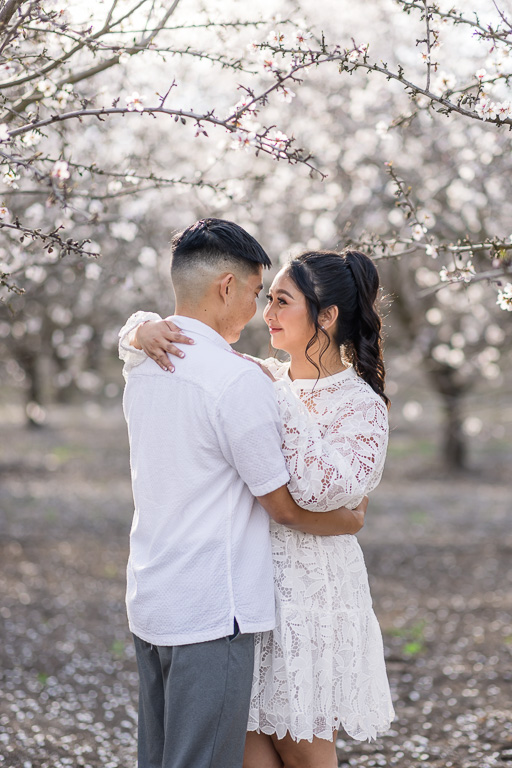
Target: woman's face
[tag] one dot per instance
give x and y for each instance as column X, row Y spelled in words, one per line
column 287, row 316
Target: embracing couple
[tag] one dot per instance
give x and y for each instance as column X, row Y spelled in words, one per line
column 247, row 592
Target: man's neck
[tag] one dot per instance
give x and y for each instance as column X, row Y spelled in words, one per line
column 199, row 312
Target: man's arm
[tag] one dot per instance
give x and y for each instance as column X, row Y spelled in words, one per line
column 282, row 508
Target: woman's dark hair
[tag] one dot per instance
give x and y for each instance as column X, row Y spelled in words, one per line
column 349, row 281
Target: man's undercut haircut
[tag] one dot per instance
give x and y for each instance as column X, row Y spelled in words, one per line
column 217, row 243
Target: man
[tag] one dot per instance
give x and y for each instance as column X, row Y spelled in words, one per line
column 204, row 445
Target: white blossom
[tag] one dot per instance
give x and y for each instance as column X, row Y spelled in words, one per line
column 418, row 231
column 301, row 37
column 10, row 178
column 46, row 87
column 4, row 132
column 275, row 37
column 31, row 138
column 504, row 299
column 286, row 94
column 485, row 108
column 134, row 103
column 3, row 212
column 432, row 251
column 480, row 74
column 504, row 109
column 243, row 139
column 60, row 170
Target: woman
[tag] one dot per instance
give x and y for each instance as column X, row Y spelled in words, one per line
column 322, row 667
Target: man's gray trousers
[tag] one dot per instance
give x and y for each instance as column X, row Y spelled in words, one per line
column 194, row 702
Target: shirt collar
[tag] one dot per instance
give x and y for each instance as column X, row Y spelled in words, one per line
column 190, row 324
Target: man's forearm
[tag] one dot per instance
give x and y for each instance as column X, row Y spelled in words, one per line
column 284, row 510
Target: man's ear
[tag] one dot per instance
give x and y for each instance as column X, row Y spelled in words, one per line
column 226, row 286
column 327, row 317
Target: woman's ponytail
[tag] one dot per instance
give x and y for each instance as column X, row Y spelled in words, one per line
column 367, row 339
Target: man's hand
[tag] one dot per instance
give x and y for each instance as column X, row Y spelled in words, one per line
column 156, row 338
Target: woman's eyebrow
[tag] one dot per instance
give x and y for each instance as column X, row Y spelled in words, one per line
column 281, row 290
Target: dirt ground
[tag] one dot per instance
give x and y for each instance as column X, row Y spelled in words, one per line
column 437, row 550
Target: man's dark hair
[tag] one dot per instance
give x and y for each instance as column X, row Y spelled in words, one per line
column 214, row 241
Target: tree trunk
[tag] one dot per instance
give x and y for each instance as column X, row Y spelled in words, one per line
column 451, row 390
column 29, row 361
column 454, row 449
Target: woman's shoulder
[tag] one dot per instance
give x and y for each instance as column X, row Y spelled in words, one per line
column 277, row 368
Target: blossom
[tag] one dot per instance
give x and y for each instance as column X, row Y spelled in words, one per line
column 60, row 170
column 134, row 103
column 432, row 251
column 280, row 141
column 480, row 74
column 244, row 139
column 356, row 53
column 4, row 132
column 276, row 38
column 46, row 87
column 31, row 138
column 486, row 109
column 3, row 211
column 504, row 299
column 10, row 178
column 418, row 231
column 504, row 109
column 286, row 94
column 301, row 37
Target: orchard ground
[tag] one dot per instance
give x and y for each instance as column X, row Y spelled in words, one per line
column 438, row 553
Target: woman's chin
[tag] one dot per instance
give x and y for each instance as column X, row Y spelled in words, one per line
column 276, row 345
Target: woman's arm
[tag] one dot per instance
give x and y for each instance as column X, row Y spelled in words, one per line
column 339, row 468
column 144, row 335
column 285, row 511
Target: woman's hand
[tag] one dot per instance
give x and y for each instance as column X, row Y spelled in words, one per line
column 157, row 338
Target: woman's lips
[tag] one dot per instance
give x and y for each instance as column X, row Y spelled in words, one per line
column 274, row 330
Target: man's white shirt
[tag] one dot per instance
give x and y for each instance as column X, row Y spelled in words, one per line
column 204, row 441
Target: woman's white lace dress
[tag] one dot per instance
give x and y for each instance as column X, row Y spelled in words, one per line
column 322, row 667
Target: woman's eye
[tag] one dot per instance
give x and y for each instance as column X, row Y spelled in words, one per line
column 268, row 297
column 281, row 301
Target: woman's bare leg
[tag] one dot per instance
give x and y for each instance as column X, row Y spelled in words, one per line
column 260, row 752
column 320, row 753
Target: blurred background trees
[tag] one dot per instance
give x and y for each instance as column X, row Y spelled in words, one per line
column 122, row 122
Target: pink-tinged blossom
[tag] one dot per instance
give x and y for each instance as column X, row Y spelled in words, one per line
column 302, row 36
column 356, row 54
column 504, row 299
column 280, row 142
column 60, row 171
column 244, row 139
column 504, row 110
column 286, row 94
column 480, row 74
column 134, row 103
column 486, row 109
column 275, row 37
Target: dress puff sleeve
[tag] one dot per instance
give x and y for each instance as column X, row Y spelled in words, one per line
column 339, row 467
column 128, row 354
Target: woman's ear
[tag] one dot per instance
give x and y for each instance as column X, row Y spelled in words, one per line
column 327, row 317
